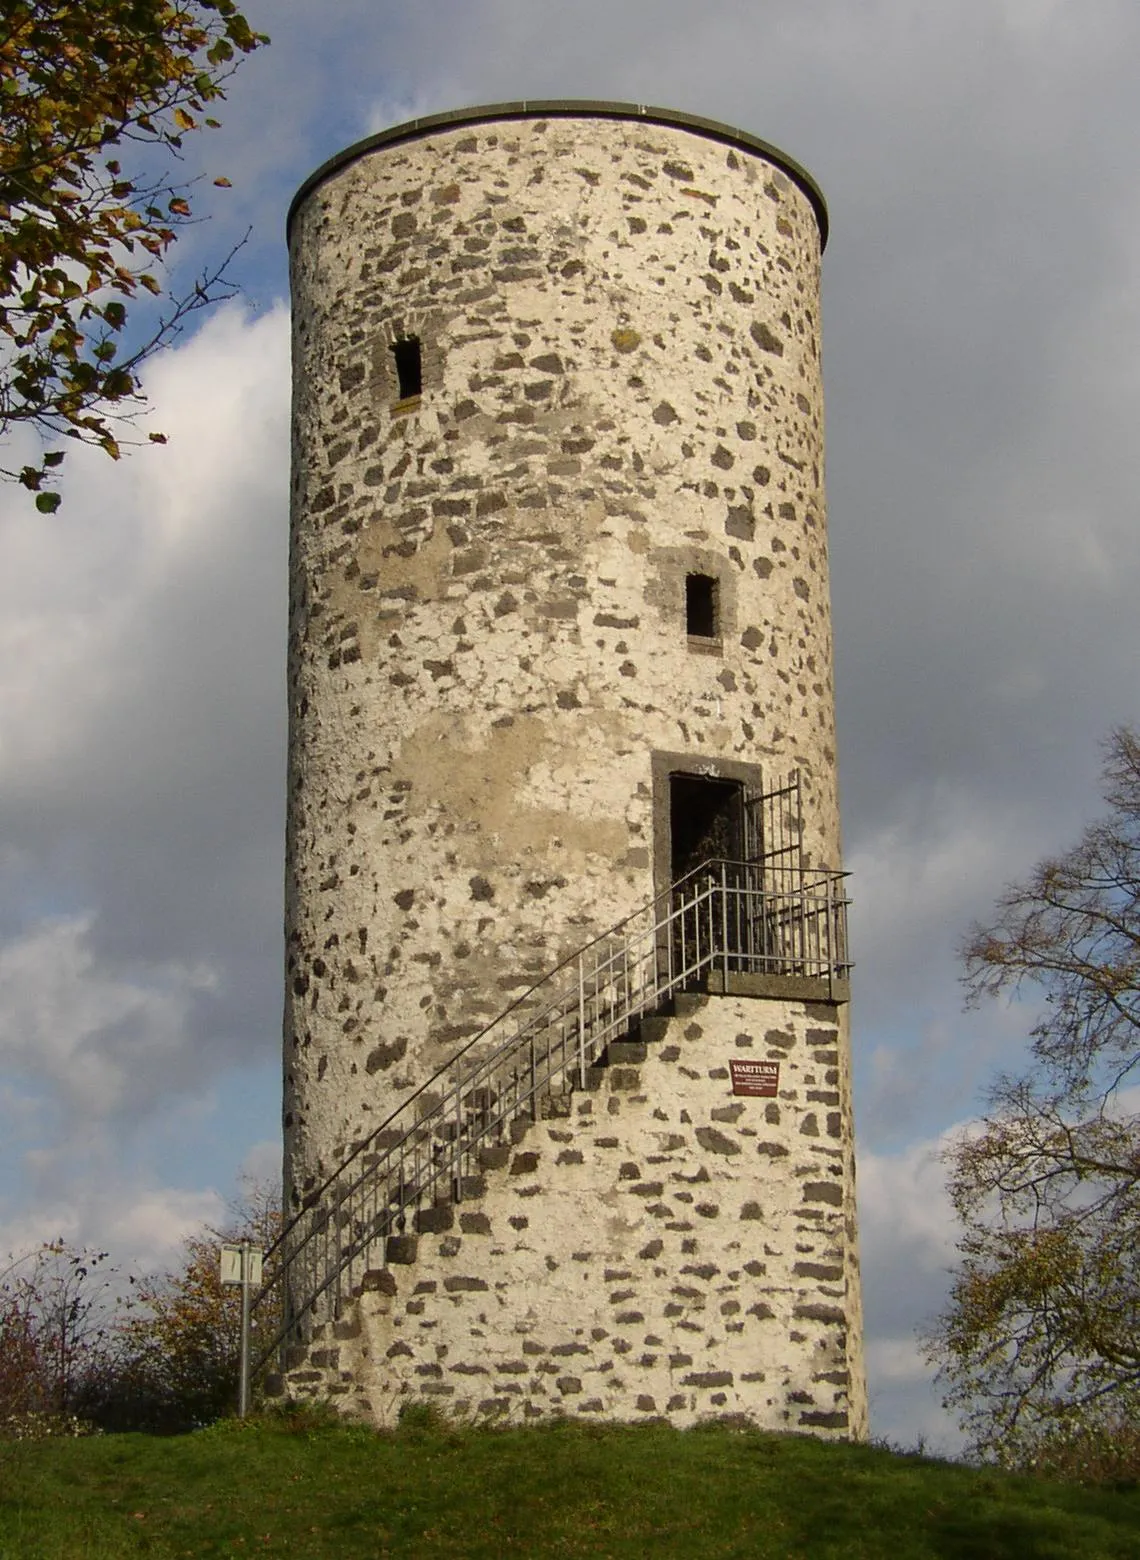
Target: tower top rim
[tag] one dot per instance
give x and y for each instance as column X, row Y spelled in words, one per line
column 567, row 108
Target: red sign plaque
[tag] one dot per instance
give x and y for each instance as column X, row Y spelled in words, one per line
column 750, row 1077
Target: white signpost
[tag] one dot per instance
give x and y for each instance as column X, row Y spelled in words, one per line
column 241, row 1265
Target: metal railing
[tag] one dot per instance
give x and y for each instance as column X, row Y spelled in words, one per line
column 729, row 917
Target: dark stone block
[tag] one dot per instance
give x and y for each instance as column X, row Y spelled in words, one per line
column 376, row 1281
column 824, row 1421
column 708, row 1378
column 474, row 1224
column 458, row 1285
column 400, row 1250
column 625, row 1078
column 820, row 1313
column 524, row 1164
column 824, row 1192
column 494, row 1157
column 766, row 339
column 434, row 1221
column 824, row 1271
column 714, row 1142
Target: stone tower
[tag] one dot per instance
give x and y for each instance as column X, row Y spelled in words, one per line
column 560, row 640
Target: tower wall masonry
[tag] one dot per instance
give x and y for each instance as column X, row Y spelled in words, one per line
column 491, row 682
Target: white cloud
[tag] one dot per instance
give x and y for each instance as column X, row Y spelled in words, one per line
column 905, row 1214
column 262, row 1163
column 892, row 1360
column 99, row 1041
column 152, row 1229
column 907, row 1239
column 141, row 787
column 142, row 1228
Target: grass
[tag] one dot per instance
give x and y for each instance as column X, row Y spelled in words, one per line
column 287, row 1489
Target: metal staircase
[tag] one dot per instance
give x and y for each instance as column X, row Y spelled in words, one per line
column 727, row 925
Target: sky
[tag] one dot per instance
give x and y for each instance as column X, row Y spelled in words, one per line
column 982, row 372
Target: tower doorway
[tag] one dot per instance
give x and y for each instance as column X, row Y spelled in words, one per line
column 706, row 822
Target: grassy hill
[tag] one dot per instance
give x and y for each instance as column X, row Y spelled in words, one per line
column 275, row 1488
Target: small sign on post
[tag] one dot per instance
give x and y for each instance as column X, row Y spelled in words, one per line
column 241, row 1265
column 749, row 1077
column 231, row 1265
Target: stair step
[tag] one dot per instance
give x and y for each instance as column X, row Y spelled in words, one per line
column 434, row 1221
column 624, row 1052
column 652, row 1029
column 400, row 1250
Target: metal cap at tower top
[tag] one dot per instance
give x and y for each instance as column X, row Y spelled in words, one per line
column 568, row 108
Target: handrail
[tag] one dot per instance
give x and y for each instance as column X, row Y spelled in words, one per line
column 744, row 915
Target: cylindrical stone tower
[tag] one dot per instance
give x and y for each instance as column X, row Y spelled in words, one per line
column 559, row 614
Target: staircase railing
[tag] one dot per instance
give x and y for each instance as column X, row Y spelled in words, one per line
column 735, row 917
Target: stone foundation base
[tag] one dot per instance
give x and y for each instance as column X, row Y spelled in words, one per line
column 655, row 1246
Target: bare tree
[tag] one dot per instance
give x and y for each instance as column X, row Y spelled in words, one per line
column 1040, row 1341
column 59, row 1343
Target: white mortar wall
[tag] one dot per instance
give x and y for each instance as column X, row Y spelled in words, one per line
column 620, row 329
column 665, row 1248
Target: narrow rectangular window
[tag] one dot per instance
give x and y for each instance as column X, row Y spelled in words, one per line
column 701, row 606
column 409, row 370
